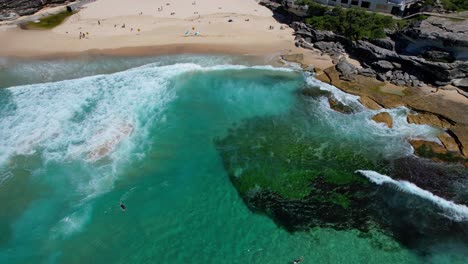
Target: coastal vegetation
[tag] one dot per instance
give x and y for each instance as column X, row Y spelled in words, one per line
column 353, row 23
column 48, row 22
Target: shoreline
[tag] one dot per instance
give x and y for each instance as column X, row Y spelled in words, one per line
column 232, row 27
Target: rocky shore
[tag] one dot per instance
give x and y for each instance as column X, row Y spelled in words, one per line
column 423, row 62
column 12, row 9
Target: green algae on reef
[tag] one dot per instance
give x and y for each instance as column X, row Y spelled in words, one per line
column 270, row 155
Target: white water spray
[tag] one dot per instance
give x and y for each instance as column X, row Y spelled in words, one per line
column 458, row 212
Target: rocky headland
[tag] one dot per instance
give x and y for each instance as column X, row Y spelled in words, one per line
column 12, row 9
column 412, row 67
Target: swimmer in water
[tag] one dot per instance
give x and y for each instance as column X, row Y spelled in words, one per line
column 297, row 261
column 122, row 206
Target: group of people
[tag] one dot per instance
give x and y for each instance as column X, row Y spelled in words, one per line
column 83, row 35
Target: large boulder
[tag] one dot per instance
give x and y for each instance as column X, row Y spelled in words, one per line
column 383, row 65
column 439, row 56
column 10, row 9
column 450, row 35
column 332, row 48
column 461, row 83
column 346, row 69
column 312, row 35
column 449, row 142
column 428, row 71
column 386, row 43
column 384, row 117
column 369, row 103
column 428, row 119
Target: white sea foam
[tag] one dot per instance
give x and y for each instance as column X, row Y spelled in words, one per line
column 391, row 141
column 72, row 223
column 87, row 119
column 71, row 119
column 342, row 97
column 457, row 212
column 94, row 117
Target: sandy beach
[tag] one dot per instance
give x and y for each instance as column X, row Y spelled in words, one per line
column 161, row 27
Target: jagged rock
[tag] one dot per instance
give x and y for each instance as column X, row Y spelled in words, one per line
column 398, row 82
column 406, row 76
column 449, row 35
column 461, row 83
column 440, row 56
column 431, row 72
column 306, row 45
column 339, row 107
column 331, row 48
column 428, row 119
column 368, row 72
column 385, row 43
column 381, row 77
column 441, row 83
column 436, row 152
column 384, row 117
column 440, row 36
column 10, row 9
column 383, row 65
column 315, row 92
column 306, row 31
column 8, row 15
column 369, row 103
column 460, row 135
column 449, row 142
column 420, row 146
column 346, row 69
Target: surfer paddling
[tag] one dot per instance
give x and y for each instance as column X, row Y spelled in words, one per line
column 123, row 207
column 297, row 261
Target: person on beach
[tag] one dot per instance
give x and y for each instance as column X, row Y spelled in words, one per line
column 80, row 35
column 99, row 23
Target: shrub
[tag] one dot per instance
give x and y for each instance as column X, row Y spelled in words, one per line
column 353, row 23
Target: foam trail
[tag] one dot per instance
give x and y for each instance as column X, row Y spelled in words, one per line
column 458, row 212
column 72, row 223
column 127, row 194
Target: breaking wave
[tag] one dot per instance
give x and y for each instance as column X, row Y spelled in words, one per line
column 457, row 212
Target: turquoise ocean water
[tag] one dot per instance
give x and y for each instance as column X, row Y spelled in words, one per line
column 79, row 136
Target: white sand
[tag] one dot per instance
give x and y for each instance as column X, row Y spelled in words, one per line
column 248, row 33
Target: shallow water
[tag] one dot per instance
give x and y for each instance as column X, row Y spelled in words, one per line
column 154, row 120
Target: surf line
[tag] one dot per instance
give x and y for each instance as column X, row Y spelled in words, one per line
column 459, row 211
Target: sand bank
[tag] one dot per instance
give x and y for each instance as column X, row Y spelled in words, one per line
column 152, row 27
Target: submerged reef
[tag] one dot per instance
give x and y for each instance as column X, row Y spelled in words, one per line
column 302, row 176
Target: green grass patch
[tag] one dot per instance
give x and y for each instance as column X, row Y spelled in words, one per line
column 47, row 22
